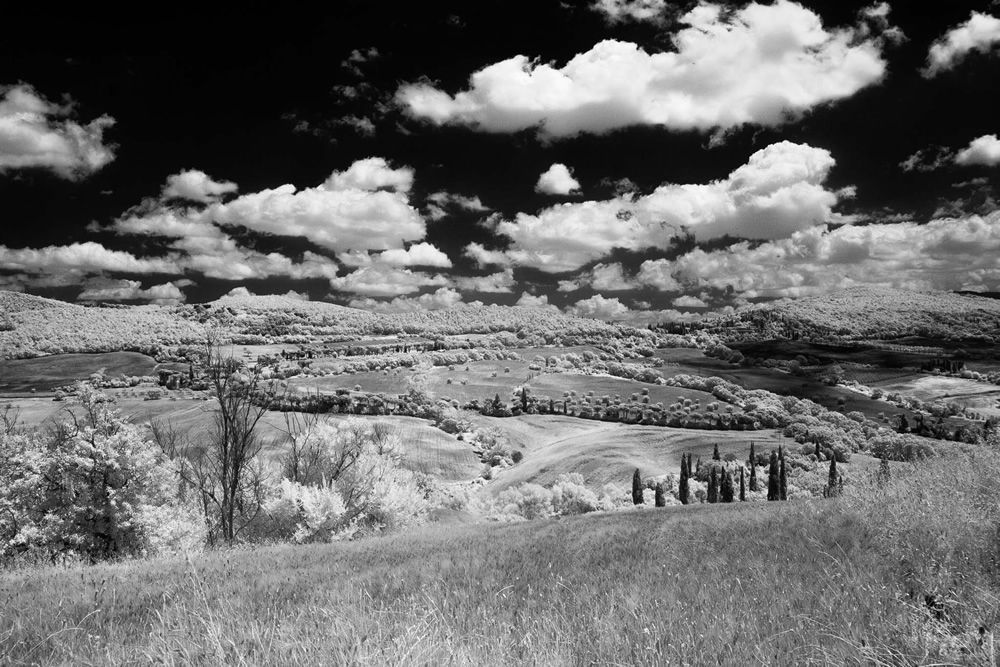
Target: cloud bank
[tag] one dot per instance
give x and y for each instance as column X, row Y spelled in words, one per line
column 759, row 65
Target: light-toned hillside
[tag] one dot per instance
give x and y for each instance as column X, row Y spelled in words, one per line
column 608, row 452
column 882, row 312
column 38, row 326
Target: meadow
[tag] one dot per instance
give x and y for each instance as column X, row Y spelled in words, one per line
column 47, row 373
column 894, row 573
column 606, row 452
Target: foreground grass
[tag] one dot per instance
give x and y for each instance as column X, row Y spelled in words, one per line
column 777, row 583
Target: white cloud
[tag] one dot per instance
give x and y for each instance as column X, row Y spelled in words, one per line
column 195, row 185
column 167, row 294
column 32, row 135
column 443, row 299
column 438, row 204
column 602, row 278
column 486, row 257
column 944, row 254
column 532, row 301
column 600, row 308
column 980, row 33
column 495, row 283
column 758, row 65
column 619, row 11
column 688, row 301
column 334, row 215
column 240, row 292
column 985, row 150
column 371, row 174
column 419, row 254
column 557, row 180
column 779, row 191
column 80, row 259
column 384, row 281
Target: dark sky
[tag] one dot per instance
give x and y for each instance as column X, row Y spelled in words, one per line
column 720, row 153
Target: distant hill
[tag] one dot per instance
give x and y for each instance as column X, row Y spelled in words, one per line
column 881, row 312
column 282, row 315
column 33, row 326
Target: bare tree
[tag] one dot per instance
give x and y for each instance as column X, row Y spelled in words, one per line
column 226, row 470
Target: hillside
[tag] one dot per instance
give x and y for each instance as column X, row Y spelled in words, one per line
column 886, row 313
column 815, row 582
column 280, row 315
column 34, row 326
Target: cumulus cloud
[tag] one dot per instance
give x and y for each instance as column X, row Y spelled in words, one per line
column 777, row 192
column 980, row 33
column 621, row 11
column 438, row 204
column 495, row 283
column 688, row 301
column 985, row 150
column 599, row 307
column 603, row 278
column 531, row 301
column 371, row 174
column 760, row 65
column 443, row 299
column 944, row 254
column 557, row 180
column 195, row 185
column 244, row 292
column 167, row 294
column 80, row 259
column 36, row 133
column 418, row 254
column 380, row 280
column 348, row 212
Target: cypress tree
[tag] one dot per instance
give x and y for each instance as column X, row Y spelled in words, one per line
column 831, row 484
column 773, row 490
column 782, row 482
column 682, row 489
column 753, row 469
column 713, row 486
column 661, row 500
column 697, row 465
column 727, row 487
column 817, row 452
column 715, row 453
column 636, row 488
column 743, row 485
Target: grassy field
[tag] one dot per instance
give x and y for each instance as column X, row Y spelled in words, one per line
column 554, row 384
column 978, row 396
column 425, row 448
column 838, row 582
column 693, row 362
column 46, row 373
column 606, row 452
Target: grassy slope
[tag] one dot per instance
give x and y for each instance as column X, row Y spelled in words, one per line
column 425, row 448
column 606, row 452
column 46, row 373
column 790, row 583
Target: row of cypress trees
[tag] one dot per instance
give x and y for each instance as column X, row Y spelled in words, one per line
column 721, row 485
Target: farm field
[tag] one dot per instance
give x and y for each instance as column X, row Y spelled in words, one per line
column 978, row 396
column 609, row 452
column 47, row 373
column 424, row 448
column 554, row 384
column 479, row 378
column 693, row 362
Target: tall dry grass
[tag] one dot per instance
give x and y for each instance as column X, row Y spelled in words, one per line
column 799, row 583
